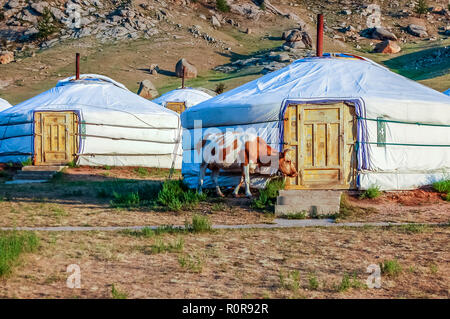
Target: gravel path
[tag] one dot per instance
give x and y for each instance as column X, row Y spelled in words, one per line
column 277, row 223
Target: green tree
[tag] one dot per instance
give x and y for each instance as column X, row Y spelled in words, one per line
column 421, row 7
column 222, row 5
column 46, row 25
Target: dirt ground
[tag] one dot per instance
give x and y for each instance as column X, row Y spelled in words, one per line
column 237, row 264
column 82, row 196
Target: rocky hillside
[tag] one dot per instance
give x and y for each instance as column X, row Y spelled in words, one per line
column 227, row 36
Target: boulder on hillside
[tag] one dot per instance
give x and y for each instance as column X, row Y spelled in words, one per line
column 417, row 30
column 147, row 90
column 215, row 22
column 296, row 35
column 388, row 47
column 6, row 57
column 190, row 71
column 381, row 33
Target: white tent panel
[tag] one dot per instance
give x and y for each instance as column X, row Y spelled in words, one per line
column 117, row 127
column 416, row 118
column 4, row 104
column 189, row 96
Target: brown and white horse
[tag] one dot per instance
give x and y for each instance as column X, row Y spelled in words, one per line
column 246, row 151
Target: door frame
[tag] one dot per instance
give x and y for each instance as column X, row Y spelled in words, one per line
column 361, row 152
column 78, row 145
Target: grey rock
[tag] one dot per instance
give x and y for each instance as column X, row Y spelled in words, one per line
column 381, row 33
column 12, row 4
column 39, row 6
column 417, row 30
column 215, row 22
column 190, row 71
column 147, row 90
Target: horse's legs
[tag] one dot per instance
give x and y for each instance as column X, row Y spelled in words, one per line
column 236, row 190
column 201, row 176
column 215, row 177
column 247, row 181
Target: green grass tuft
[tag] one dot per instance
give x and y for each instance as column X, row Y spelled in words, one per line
column 116, row 294
column 125, row 200
column 200, row 224
column 268, row 195
column 372, row 192
column 391, row 268
column 175, row 196
column 12, row 245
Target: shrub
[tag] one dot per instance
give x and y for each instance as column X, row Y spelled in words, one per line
column 219, row 88
column 299, row 215
column 268, row 195
column 391, row 268
column 442, row 186
column 372, row 192
column 222, row 5
column 12, row 245
column 46, row 25
column 421, row 7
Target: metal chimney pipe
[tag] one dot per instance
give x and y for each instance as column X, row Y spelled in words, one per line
column 77, row 66
column 319, row 44
column 182, row 79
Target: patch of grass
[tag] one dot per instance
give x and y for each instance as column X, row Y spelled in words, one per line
column 372, row 192
column 12, row 245
column 193, row 263
column 172, row 247
column 347, row 210
column 175, row 196
column 391, row 268
column 218, row 207
column 299, row 215
column 268, row 195
column 443, row 186
column 290, row 281
column 28, row 162
column 144, row 232
column 200, row 224
column 347, row 282
column 125, row 200
column 141, row 171
column 116, row 294
column 413, row 228
column 73, row 164
column 313, row 282
column 107, row 167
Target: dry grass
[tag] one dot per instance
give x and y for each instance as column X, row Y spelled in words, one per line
column 238, row 264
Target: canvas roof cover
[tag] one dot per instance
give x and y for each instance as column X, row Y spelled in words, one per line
column 412, row 155
column 118, row 127
column 4, row 104
column 189, row 96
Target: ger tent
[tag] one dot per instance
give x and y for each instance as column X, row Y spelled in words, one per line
column 4, row 104
column 447, row 92
column 181, row 99
column 350, row 122
column 94, row 121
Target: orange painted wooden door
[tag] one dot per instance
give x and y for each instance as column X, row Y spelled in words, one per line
column 318, row 135
column 178, row 107
column 55, row 141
